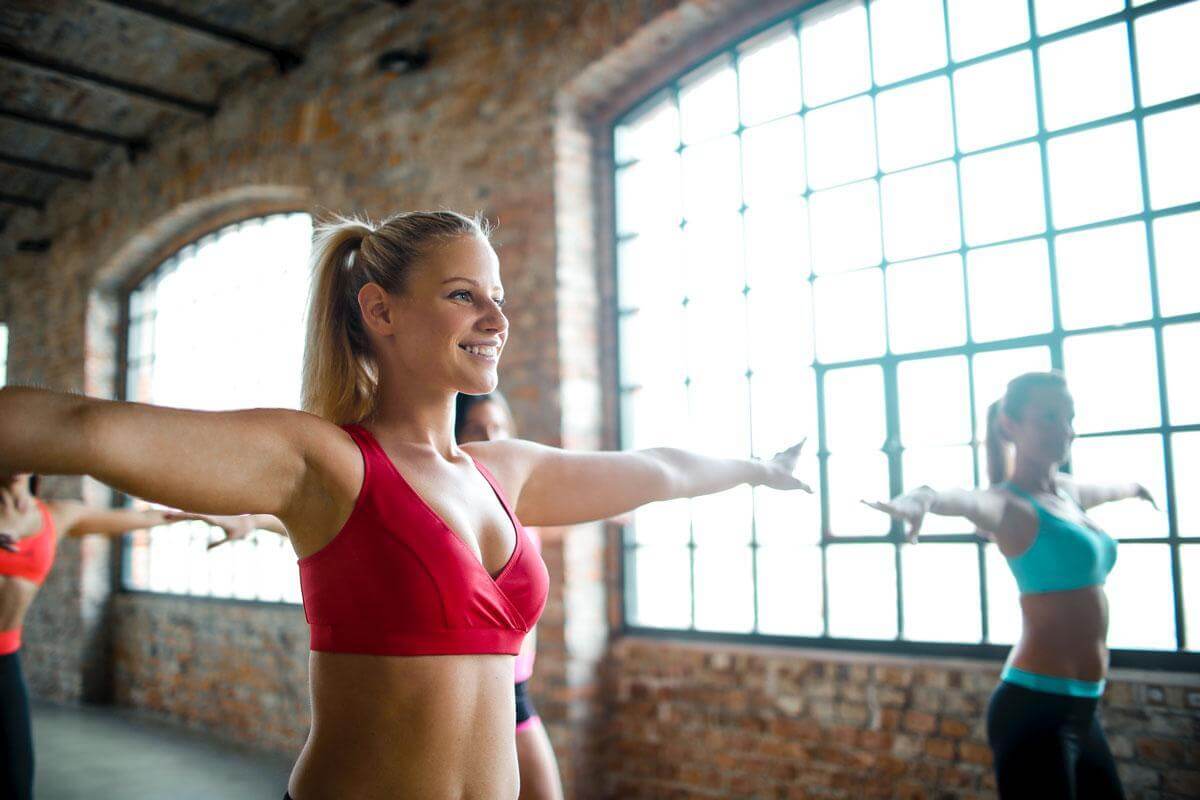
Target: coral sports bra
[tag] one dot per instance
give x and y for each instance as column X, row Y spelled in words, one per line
column 396, row 580
column 1064, row 555
column 35, row 554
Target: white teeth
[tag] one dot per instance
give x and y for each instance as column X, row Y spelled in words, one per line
column 482, row 350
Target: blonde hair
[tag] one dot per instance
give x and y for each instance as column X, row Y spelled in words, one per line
column 1016, row 397
column 340, row 372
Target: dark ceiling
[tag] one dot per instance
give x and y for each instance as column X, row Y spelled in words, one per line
column 82, row 80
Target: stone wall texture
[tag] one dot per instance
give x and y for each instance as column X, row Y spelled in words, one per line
column 509, row 118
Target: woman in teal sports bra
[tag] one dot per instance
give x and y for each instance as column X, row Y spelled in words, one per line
column 1042, row 724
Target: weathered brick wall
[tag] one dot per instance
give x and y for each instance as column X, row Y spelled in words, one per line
column 707, row 721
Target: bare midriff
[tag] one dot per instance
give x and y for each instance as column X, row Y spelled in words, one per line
column 1064, row 634
column 16, row 595
column 419, row 727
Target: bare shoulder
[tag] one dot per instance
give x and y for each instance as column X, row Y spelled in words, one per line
column 64, row 513
column 1017, row 522
column 510, row 460
column 1069, row 486
column 333, row 476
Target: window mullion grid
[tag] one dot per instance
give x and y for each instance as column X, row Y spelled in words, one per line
column 691, row 545
column 746, row 289
column 1159, row 351
column 892, row 448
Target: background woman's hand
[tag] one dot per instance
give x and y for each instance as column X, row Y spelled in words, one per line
column 236, row 527
column 909, row 508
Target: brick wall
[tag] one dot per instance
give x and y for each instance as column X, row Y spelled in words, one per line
column 699, row 721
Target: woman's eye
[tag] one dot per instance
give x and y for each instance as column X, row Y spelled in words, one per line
column 500, row 301
column 462, row 293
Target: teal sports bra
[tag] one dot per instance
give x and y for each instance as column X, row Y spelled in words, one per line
column 1064, row 555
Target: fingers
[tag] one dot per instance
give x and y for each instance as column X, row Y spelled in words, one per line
column 8, row 543
column 218, row 543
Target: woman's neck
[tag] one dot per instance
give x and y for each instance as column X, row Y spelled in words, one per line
column 1035, row 476
column 411, row 414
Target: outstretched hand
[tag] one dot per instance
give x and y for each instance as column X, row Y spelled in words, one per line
column 779, row 469
column 909, row 508
column 8, row 542
column 1144, row 494
column 236, row 528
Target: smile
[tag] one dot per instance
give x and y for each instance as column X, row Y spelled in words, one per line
column 486, row 351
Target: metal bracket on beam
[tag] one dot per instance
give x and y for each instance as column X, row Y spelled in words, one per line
column 402, row 61
column 19, row 56
column 45, row 167
column 133, row 146
column 22, row 201
column 33, row 245
column 284, row 58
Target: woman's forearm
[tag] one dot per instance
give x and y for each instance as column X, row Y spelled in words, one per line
column 688, row 474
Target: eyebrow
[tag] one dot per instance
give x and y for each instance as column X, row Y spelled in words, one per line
column 468, row 280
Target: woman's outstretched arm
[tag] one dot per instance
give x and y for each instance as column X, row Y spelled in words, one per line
column 551, row 486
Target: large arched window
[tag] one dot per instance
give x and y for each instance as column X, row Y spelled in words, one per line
column 857, row 225
column 220, row 325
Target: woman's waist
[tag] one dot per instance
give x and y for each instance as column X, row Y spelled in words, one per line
column 16, row 595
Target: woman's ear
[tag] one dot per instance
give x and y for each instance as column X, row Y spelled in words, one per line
column 375, row 306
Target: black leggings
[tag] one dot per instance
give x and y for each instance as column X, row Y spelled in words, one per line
column 1049, row 746
column 16, row 732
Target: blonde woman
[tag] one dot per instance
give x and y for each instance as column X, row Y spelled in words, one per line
column 419, row 581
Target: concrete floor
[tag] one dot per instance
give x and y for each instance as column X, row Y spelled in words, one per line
column 112, row 754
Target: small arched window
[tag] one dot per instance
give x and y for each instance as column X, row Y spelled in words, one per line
column 857, row 225
column 220, row 325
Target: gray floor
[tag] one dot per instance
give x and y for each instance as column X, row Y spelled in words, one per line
column 111, row 754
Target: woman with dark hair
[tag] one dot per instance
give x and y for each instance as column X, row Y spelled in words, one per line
column 419, row 581
column 488, row 418
column 1042, row 723
column 29, row 534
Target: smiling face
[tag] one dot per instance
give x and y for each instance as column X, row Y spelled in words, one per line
column 1044, row 429
column 446, row 329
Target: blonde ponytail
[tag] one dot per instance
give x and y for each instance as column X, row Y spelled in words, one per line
column 341, row 375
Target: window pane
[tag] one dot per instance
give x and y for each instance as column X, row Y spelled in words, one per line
column 777, row 246
column 1121, row 459
column 849, row 314
column 786, row 518
column 649, row 272
column 1010, row 290
column 3, row 354
column 1141, row 599
column 662, row 587
column 1086, row 77
column 941, row 468
column 722, row 520
column 784, row 411
column 833, row 49
column 1058, row 15
column 920, row 212
column 712, row 257
column 994, row 102
column 1172, row 157
column 993, row 371
column 978, row 28
column 708, row 101
column 650, row 348
column 908, row 37
column 651, row 130
column 789, row 590
column 915, row 287
column 913, row 123
column 1189, row 556
column 841, row 143
column 1185, row 461
column 712, row 181
column 1004, row 604
column 655, row 415
column 862, row 591
column 935, row 402
column 941, row 593
column 1095, row 363
column 1181, row 345
column 1177, row 262
column 1168, row 60
column 1094, row 175
column 773, row 160
column 854, row 477
column 1114, row 258
column 855, row 414
column 724, row 589
column 648, row 195
column 1002, row 194
column 845, row 227
column 769, row 68
column 667, row 523
column 719, row 415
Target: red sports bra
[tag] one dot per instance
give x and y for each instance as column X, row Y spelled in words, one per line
column 35, row 554
column 397, row 581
